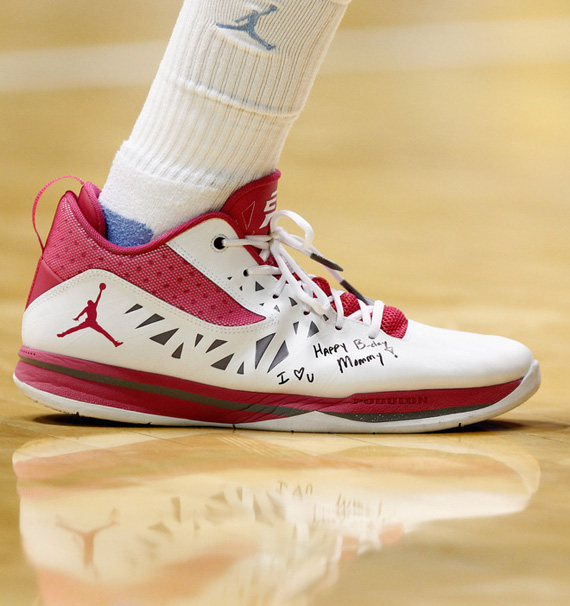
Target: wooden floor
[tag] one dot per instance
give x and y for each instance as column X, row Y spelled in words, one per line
column 433, row 160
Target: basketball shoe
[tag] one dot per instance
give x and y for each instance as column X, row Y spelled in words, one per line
column 216, row 324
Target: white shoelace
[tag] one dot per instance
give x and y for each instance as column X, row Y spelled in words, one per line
column 306, row 290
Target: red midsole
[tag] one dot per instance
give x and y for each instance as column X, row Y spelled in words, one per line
column 166, row 396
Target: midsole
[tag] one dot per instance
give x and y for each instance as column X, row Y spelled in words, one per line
column 152, row 393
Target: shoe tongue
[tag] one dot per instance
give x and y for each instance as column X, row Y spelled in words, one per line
column 252, row 205
column 88, row 202
column 394, row 322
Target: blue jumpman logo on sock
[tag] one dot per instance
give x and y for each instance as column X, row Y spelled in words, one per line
column 248, row 24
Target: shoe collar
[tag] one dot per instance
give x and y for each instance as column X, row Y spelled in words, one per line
column 250, row 207
column 88, row 203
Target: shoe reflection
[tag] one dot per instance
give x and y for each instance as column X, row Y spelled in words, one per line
column 185, row 517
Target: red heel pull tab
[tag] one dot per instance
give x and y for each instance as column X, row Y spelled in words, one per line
column 38, row 197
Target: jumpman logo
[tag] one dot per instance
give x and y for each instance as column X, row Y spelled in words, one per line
column 248, row 24
column 90, row 313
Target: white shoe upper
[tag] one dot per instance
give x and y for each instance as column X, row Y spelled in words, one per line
column 292, row 338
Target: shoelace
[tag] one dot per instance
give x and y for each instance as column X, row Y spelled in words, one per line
column 306, row 289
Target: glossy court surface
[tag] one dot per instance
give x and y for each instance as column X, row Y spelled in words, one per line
column 432, row 160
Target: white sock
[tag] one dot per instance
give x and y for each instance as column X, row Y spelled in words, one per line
column 235, row 76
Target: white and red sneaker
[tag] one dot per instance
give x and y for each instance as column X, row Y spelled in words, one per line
column 216, row 324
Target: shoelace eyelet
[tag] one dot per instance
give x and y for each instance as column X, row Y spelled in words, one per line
column 219, row 243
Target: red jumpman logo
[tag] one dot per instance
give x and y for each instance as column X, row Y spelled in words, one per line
column 90, row 313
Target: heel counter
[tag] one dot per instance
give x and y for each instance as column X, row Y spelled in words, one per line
column 44, row 280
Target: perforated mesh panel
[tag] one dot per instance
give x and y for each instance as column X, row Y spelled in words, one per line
column 160, row 271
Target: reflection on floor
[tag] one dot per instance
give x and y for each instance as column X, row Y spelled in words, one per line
column 216, row 517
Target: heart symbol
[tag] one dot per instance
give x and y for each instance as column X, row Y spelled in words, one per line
column 299, row 373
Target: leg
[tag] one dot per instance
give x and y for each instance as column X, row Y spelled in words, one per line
column 74, row 329
column 218, row 112
column 102, row 331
